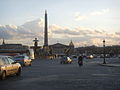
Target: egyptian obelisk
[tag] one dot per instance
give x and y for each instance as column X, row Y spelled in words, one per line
column 46, row 31
column 45, row 46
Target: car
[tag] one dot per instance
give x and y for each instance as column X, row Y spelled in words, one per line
column 8, row 67
column 23, row 60
column 89, row 57
column 106, row 56
column 95, row 56
column 74, row 57
column 66, row 60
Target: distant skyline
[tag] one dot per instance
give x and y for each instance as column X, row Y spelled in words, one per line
column 86, row 22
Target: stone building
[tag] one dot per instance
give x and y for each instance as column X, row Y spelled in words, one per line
column 61, row 49
column 12, row 49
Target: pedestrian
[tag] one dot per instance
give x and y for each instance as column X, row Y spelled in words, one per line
column 80, row 60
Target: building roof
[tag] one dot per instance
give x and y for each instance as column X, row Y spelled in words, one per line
column 3, row 42
column 58, row 44
column 71, row 43
column 12, row 45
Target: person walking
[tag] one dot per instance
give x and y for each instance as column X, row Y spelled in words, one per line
column 80, row 60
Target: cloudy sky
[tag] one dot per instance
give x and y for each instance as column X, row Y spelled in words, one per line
column 85, row 22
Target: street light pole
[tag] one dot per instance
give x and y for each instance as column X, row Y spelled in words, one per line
column 104, row 62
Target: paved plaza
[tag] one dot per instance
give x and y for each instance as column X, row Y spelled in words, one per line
column 51, row 75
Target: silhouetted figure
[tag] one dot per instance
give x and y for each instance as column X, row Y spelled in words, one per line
column 80, row 60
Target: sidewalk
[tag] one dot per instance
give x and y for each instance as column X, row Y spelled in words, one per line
column 114, row 62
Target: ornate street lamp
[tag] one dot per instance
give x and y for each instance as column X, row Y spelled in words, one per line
column 35, row 47
column 104, row 62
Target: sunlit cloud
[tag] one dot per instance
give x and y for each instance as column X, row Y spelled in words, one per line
column 80, row 35
column 117, row 33
column 83, row 35
column 97, row 41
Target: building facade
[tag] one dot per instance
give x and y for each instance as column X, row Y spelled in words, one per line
column 61, row 49
column 10, row 49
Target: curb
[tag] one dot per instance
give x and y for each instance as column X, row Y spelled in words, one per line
column 110, row 65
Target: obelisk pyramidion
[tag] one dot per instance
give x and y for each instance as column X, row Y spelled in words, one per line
column 46, row 31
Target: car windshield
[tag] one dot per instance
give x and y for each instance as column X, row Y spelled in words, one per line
column 10, row 57
column 20, row 57
column 64, row 58
column 74, row 56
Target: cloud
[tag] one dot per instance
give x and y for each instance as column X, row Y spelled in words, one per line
column 101, row 12
column 6, row 31
column 30, row 29
column 117, row 33
column 80, row 35
column 65, row 31
column 78, row 31
column 78, row 16
column 34, row 26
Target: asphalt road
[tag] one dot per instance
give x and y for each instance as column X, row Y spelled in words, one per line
column 51, row 75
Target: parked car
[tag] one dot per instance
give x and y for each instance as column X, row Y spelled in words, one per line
column 23, row 60
column 66, row 60
column 8, row 67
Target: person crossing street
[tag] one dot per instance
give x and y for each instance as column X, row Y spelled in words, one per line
column 80, row 60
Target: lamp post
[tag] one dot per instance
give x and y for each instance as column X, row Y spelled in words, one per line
column 35, row 47
column 104, row 62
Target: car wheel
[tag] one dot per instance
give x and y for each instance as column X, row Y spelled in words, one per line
column 19, row 72
column 3, row 75
column 30, row 64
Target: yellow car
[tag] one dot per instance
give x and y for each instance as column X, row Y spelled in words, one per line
column 9, row 67
column 23, row 60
